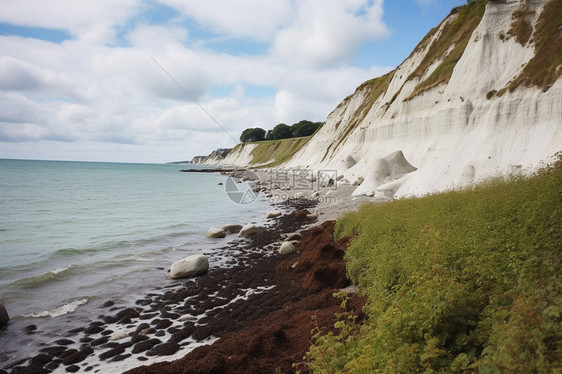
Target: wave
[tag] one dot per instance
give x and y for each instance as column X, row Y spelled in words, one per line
column 50, row 276
column 131, row 257
column 162, row 250
column 59, row 311
column 65, row 252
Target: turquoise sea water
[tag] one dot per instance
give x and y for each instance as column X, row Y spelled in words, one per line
column 73, row 232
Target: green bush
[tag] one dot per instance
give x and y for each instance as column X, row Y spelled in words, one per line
column 465, row 281
column 252, row 135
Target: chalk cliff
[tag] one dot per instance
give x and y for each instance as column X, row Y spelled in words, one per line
column 487, row 118
column 215, row 158
column 480, row 96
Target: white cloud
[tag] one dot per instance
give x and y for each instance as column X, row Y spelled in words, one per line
column 90, row 20
column 89, row 99
column 251, row 19
column 157, row 38
column 327, row 33
column 16, row 108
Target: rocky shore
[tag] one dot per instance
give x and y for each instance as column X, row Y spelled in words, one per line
column 272, row 332
column 257, row 311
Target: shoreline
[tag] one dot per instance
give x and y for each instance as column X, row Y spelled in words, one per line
column 180, row 318
column 279, row 340
column 277, row 333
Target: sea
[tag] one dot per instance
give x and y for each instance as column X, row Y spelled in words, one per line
column 76, row 234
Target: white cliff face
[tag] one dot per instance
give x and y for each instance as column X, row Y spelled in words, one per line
column 453, row 134
column 215, row 158
column 240, row 156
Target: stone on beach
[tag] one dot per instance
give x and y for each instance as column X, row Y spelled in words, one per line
column 4, row 317
column 273, row 214
column 189, row 266
column 250, row 229
column 312, row 216
column 287, row 248
column 119, row 335
column 294, row 236
column 231, row 229
column 215, row 232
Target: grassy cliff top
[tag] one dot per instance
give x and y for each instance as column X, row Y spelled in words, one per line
column 270, row 153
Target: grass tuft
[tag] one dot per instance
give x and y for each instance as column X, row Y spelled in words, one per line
column 546, row 66
column 274, row 152
column 521, row 28
column 455, row 35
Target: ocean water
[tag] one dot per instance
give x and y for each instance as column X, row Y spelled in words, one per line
column 73, row 233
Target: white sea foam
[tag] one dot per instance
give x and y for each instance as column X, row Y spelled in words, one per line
column 56, row 271
column 59, row 311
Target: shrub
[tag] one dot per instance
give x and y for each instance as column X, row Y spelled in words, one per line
column 463, row 281
column 252, row 135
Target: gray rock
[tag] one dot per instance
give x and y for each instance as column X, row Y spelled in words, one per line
column 273, row 214
column 349, row 162
column 189, row 267
column 358, row 181
column 215, row 232
column 287, row 248
column 4, row 317
column 250, row 229
column 119, row 335
column 231, row 229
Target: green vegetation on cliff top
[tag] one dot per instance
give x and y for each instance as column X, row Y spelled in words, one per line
column 448, row 47
column 271, row 153
column 546, row 65
column 461, row 282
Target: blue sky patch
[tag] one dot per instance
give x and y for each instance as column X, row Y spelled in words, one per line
column 55, row 36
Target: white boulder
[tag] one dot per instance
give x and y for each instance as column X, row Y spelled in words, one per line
column 287, row 248
column 215, row 232
column 189, row 266
column 349, row 162
column 250, row 229
column 384, row 170
column 273, row 214
column 119, row 335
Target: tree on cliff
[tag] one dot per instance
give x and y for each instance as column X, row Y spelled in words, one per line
column 305, row 128
column 252, row 135
column 282, row 131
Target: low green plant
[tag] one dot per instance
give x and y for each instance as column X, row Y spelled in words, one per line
column 460, row 282
column 271, row 153
column 521, row 28
column 331, row 351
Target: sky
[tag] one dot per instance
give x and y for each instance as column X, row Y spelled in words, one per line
column 165, row 80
